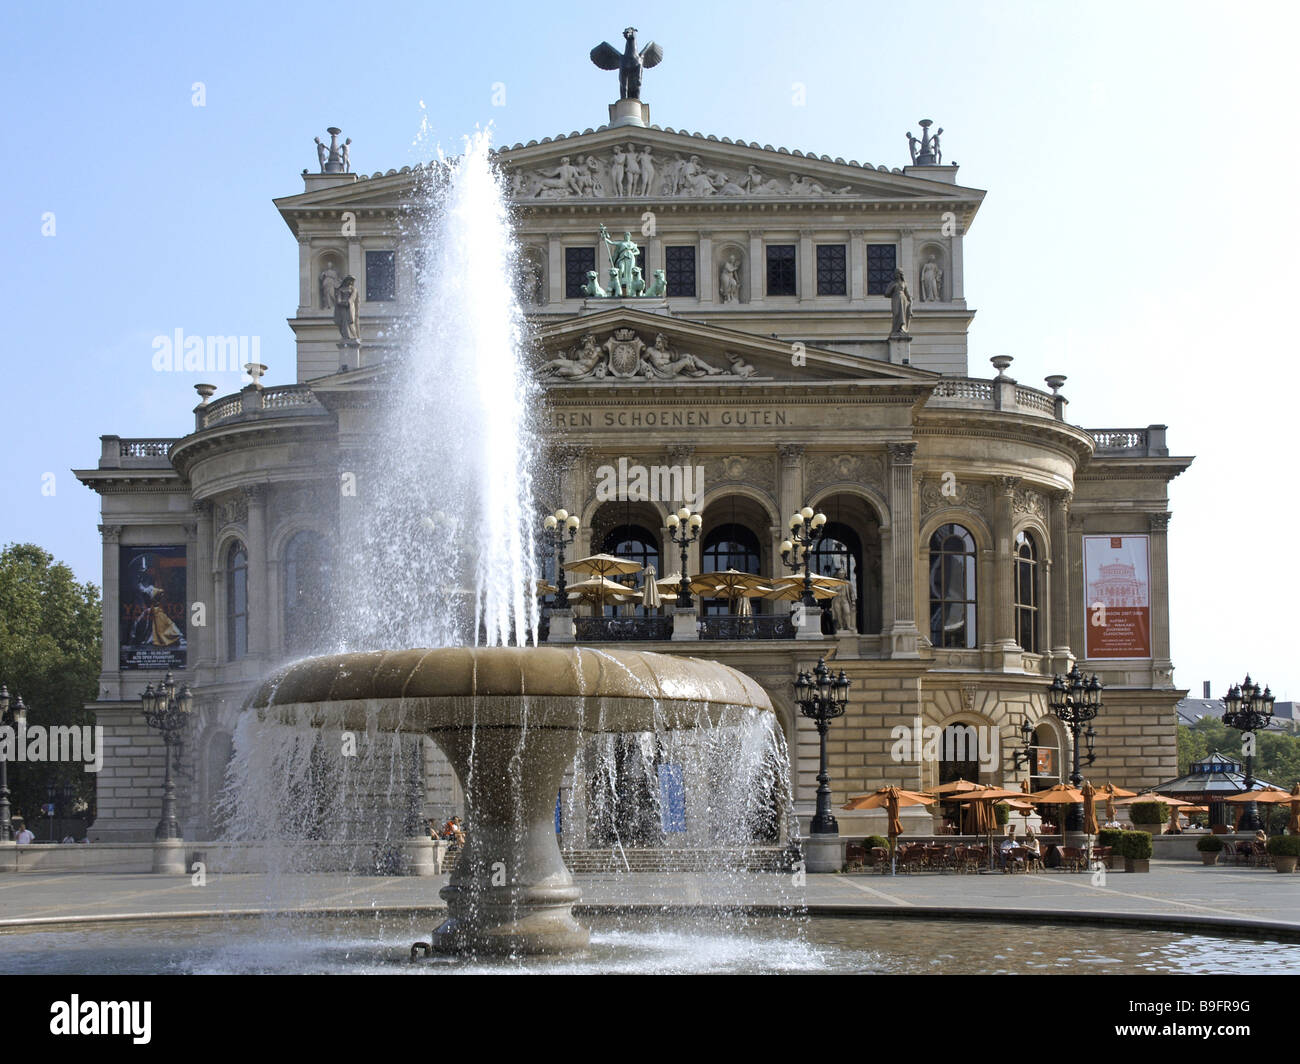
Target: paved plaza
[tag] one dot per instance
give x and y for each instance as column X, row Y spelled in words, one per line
column 1172, row 894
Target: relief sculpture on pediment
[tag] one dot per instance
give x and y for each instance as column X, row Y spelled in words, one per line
column 625, row 355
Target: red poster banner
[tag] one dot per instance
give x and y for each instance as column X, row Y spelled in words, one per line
column 1117, row 604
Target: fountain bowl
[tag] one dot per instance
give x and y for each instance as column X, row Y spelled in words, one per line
column 509, row 719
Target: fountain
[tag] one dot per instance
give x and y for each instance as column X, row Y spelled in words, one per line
column 451, row 509
column 509, row 719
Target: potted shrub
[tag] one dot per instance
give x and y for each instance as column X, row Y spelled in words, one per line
column 1149, row 814
column 1136, row 847
column 1110, row 837
column 1284, row 849
column 876, row 841
column 1209, row 847
column 1002, row 813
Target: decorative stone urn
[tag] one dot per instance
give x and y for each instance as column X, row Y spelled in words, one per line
column 509, row 720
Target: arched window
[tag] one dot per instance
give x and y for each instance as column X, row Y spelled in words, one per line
column 952, row 587
column 1027, row 592
column 636, row 544
column 1045, row 766
column 306, row 591
column 729, row 547
column 236, row 602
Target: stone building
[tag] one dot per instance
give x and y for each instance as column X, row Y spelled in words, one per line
column 772, row 359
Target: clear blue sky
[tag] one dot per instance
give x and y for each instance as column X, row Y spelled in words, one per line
column 1129, row 239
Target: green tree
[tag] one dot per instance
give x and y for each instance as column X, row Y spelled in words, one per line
column 50, row 639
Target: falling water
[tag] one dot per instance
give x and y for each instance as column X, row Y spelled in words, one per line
column 442, row 551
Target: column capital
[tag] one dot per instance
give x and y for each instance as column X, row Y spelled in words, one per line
column 1158, row 522
column 901, row 454
column 791, row 453
column 255, row 493
column 111, row 533
column 201, row 508
column 680, row 453
column 1063, row 498
column 1006, row 485
column 191, row 530
column 704, row 234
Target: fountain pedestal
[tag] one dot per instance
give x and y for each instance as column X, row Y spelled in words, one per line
column 511, row 891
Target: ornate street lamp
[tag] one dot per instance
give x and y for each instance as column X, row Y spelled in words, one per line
column 555, row 526
column 168, row 711
column 806, row 530
column 821, row 698
column 684, row 529
column 11, row 717
column 1025, row 755
column 1248, row 708
column 1076, row 702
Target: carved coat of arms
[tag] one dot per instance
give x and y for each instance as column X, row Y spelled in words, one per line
column 624, row 349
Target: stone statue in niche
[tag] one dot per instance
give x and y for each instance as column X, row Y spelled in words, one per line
column 900, row 304
column 931, row 281
column 844, row 607
column 629, row 63
column 329, row 282
column 530, row 281
column 729, row 280
column 345, row 309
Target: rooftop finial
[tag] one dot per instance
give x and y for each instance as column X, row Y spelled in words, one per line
column 925, row 152
column 334, row 159
column 629, row 63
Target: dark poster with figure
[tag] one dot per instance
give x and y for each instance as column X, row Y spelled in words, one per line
column 151, row 597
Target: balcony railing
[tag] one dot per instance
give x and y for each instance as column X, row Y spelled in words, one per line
column 734, row 626
column 1131, row 443
column 280, row 400
column 1001, row 393
column 621, row 629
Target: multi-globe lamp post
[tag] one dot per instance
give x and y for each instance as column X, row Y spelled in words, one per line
column 1248, row 708
column 684, row 529
column 11, row 716
column 1076, row 701
column 557, row 526
column 168, row 711
column 806, row 529
column 821, row 697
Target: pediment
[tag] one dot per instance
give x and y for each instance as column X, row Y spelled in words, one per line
column 627, row 346
column 689, row 168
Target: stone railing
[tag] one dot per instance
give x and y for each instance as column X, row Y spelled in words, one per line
column 293, row 399
column 118, row 453
column 1001, row 393
column 1131, row 443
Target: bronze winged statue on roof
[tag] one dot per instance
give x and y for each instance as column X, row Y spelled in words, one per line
column 629, row 63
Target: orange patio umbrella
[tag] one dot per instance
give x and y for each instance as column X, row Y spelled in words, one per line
column 1275, row 796
column 1112, row 792
column 981, row 804
column 1089, row 808
column 891, row 799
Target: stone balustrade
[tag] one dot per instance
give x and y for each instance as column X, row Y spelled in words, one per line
column 1135, row 443
column 119, row 453
column 285, row 399
column 1002, row 393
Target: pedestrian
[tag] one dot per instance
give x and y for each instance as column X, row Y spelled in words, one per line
column 24, row 837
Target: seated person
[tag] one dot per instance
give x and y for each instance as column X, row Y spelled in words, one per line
column 1008, row 844
column 1031, row 841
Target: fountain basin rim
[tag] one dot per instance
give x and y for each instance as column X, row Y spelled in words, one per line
column 482, row 676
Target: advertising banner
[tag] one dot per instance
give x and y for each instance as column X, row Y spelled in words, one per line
column 151, row 597
column 1117, row 604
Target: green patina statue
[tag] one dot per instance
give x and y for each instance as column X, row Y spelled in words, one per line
column 626, row 279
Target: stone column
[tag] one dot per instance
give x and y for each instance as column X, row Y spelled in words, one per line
column 112, row 610
column 906, row 258
column 203, row 647
column 757, row 267
column 259, row 590
column 1004, row 571
column 554, row 269
column 806, row 281
column 858, row 263
column 704, row 278
column 193, row 579
column 306, row 286
column 903, row 634
column 1161, row 664
column 957, row 281
column 1059, row 581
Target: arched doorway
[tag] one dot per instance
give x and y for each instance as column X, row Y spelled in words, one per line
column 852, row 542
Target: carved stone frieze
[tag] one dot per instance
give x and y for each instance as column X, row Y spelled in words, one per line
column 626, row 355
column 824, row 469
column 757, row 470
column 1028, row 501
column 936, row 494
column 633, row 170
